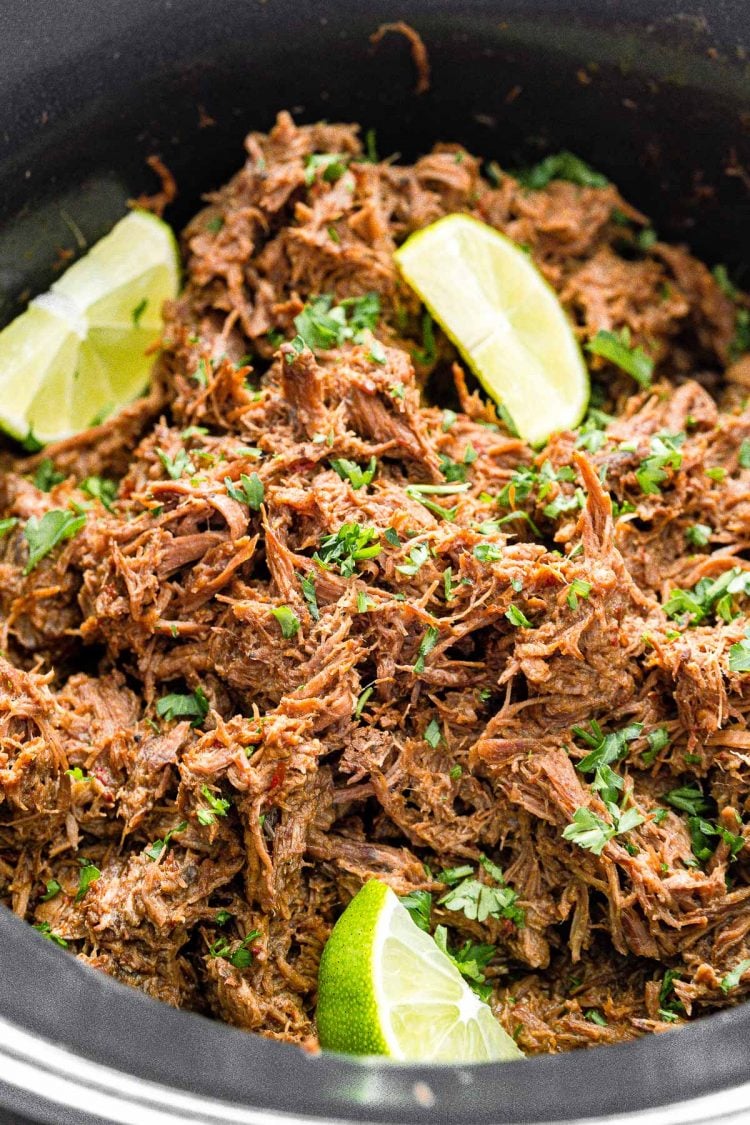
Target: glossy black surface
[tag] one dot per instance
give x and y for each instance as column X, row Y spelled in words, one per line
column 87, row 92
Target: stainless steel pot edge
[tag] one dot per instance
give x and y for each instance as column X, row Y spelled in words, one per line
column 59, row 1087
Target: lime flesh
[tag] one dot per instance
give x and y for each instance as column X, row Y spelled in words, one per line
column 386, row 989
column 79, row 351
column 505, row 320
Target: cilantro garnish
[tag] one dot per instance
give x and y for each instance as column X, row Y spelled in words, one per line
column 709, row 596
column 53, row 889
column 733, row 978
column 665, row 455
column 307, row 585
column 217, row 806
column 175, row 706
column 176, row 466
column 479, row 900
column 739, row 655
column 47, row 932
column 589, row 831
column 88, row 874
column 101, row 488
column 418, row 556
column 617, row 348
column 470, row 959
column 518, row 618
column 419, row 905
column 251, row 491
column 43, row 535
column 426, row 645
column 155, row 850
column 332, row 164
column 322, row 325
column 47, row 476
column 432, row 734
column 351, row 471
column 561, row 166
column 288, row 621
column 348, row 546
column 240, row 957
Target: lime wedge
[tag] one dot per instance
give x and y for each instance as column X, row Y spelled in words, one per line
column 505, row 320
column 386, row 989
column 78, row 352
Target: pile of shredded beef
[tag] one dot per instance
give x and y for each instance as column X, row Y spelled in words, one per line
column 268, row 668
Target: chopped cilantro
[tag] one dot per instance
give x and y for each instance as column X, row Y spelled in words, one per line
column 426, row 645
column 744, row 454
column 47, row 476
column 102, row 489
column 240, row 957
column 578, row 588
column 43, row 535
column 178, row 465
column 351, row 471
column 7, row 525
column 561, row 166
column 479, row 900
column 418, row 556
column 589, row 831
column 53, row 889
column 419, row 905
column 288, row 621
column 432, row 733
column 518, row 618
column 488, row 552
column 362, row 701
column 307, row 585
column 47, row 932
column 154, row 851
column 347, row 546
column 322, row 325
column 733, row 978
column 739, row 655
column 617, row 348
column 88, row 874
column 175, row 706
column 470, row 959
column 709, row 596
column 665, row 455
column 217, row 806
column 251, row 491
column 332, row 165
column 698, row 534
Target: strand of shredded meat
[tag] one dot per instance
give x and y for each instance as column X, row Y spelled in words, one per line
column 303, row 769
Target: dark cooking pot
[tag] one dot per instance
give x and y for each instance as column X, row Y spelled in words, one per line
column 654, row 92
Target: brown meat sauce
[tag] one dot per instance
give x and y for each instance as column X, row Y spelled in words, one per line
column 303, row 769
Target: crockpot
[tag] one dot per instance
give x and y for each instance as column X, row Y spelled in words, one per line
column 653, row 92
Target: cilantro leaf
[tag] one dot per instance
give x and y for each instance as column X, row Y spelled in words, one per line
column 733, row 978
column 426, row 645
column 479, row 900
column 419, row 905
column 347, row 546
column 88, row 874
column 288, row 621
column 351, row 471
column 43, row 535
column 251, row 491
column 175, row 706
column 561, row 166
column 617, row 348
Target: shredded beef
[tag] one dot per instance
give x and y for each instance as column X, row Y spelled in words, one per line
column 421, row 705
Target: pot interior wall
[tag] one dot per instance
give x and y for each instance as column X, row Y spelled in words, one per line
column 649, row 91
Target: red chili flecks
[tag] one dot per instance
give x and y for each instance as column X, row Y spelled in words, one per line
column 278, row 775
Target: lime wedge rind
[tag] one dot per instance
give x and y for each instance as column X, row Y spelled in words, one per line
column 504, row 318
column 386, row 989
